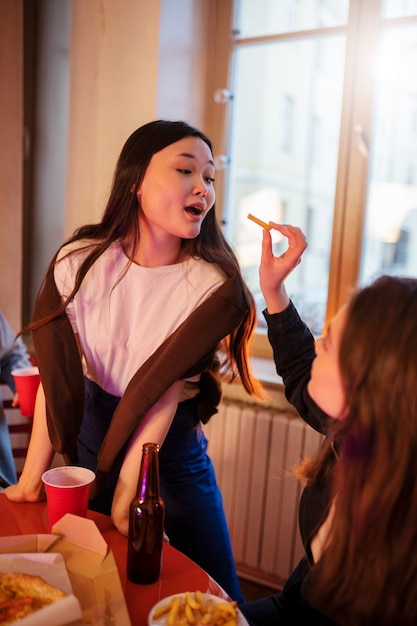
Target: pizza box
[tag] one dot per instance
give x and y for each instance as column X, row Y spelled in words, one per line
column 91, row 568
column 50, row 567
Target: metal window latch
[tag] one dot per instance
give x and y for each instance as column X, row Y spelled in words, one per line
column 359, row 135
column 221, row 161
column 222, row 96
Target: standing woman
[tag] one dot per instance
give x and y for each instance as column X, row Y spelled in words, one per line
column 137, row 317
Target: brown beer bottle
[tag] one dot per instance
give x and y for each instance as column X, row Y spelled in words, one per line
column 146, row 522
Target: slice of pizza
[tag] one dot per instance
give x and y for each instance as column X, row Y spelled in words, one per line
column 22, row 594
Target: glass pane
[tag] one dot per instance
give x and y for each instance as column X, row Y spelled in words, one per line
column 267, row 17
column 390, row 241
column 283, row 157
column 399, row 8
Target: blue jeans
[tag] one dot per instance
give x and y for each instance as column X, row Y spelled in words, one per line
column 7, row 466
column 194, row 517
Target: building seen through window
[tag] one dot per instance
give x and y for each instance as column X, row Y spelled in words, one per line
column 322, row 133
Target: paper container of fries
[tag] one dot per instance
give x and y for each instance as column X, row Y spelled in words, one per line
column 90, row 565
column 196, row 608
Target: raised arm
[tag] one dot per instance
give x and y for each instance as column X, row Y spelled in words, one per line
column 292, row 342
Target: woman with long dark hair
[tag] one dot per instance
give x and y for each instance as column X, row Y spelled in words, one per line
column 139, row 318
column 358, row 386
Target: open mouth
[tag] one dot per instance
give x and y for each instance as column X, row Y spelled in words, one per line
column 193, row 210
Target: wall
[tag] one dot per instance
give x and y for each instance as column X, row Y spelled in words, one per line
column 184, row 61
column 11, row 159
column 114, row 61
column 47, row 131
column 104, row 68
column 131, row 61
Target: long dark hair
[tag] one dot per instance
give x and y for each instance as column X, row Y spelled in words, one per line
column 368, row 571
column 120, row 220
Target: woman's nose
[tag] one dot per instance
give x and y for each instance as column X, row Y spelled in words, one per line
column 201, row 189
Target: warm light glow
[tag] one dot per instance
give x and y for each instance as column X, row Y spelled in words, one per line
column 388, row 206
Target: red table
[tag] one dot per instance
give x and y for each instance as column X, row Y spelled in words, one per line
column 179, row 573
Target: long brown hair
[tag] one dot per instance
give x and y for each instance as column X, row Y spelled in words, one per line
column 368, row 572
column 120, row 220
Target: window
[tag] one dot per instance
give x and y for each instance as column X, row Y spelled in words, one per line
column 286, row 122
column 318, row 132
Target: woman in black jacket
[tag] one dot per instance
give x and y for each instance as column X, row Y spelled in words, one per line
column 357, row 385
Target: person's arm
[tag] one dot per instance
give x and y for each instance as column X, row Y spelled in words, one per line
column 39, row 455
column 153, row 428
column 38, row 459
column 292, row 342
column 273, row 270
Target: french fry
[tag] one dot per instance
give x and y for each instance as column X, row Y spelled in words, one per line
column 193, row 609
column 258, row 221
column 176, row 604
column 189, row 614
column 199, row 597
column 193, row 603
column 162, row 610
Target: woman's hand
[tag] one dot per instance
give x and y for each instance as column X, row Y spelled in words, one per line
column 26, row 491
column 15, row 401
column 122, row 498
column 274, row 270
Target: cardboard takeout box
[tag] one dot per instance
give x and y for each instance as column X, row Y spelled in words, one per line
column 90, row 564
column 50, row 567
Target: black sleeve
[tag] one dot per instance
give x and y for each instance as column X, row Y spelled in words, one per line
column 293, row 348
column 288, row 608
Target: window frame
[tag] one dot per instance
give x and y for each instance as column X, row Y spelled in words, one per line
column 362, row 31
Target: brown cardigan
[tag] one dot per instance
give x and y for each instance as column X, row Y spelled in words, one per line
column 188, row 351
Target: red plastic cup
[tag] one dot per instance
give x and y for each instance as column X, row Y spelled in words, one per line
column 67, row 491
column 27, row 381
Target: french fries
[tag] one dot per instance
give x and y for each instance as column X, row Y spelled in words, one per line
column 258, row 221
column 193, row 609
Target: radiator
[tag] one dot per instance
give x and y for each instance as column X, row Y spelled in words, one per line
column 254, row 451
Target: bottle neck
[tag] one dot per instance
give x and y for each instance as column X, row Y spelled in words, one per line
column 148, row 484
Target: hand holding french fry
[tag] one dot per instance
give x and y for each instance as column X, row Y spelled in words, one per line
column 274, row 270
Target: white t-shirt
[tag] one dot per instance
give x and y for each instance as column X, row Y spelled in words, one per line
column 121, row 316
